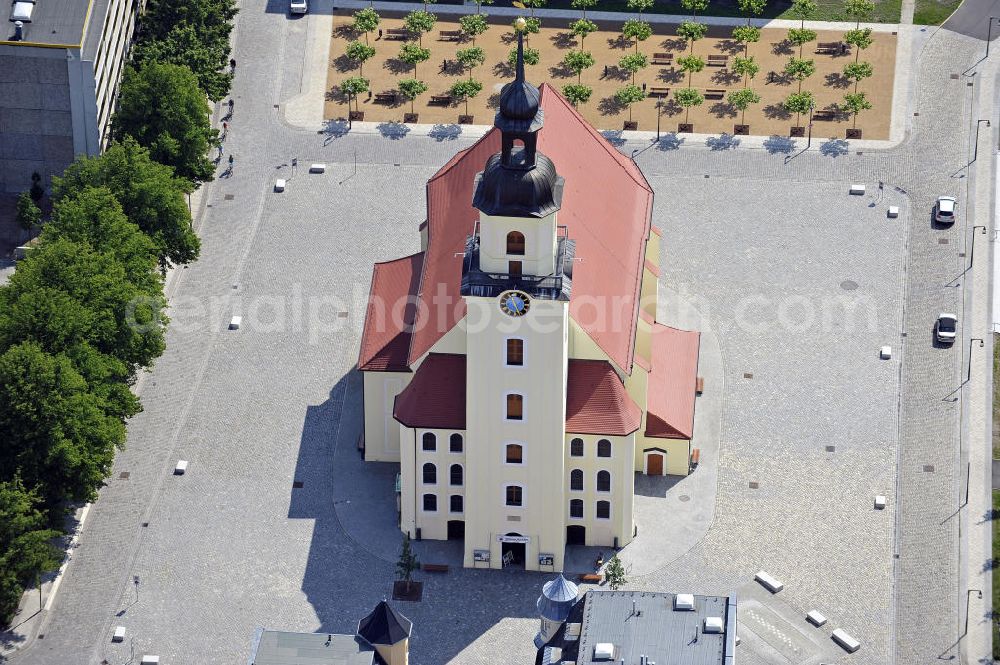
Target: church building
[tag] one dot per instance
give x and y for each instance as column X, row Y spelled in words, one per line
column 514, row 367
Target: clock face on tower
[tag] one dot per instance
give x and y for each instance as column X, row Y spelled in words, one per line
column 514, row 303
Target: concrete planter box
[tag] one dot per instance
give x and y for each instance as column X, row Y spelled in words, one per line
column 685, row 128
column 411, row 117
column 853, row 133
column 357, row 115
column 741, row 130
column 797, row 132
column 630, row 125
column 466, row 119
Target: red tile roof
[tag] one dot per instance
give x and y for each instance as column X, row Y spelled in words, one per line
column 671, row 391
column 606, row 206
column 435, row 398
column 389, row 318
column 596, row 401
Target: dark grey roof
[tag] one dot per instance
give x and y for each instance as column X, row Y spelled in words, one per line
column 56, row 21
column 557, row 599
column 519, row 192
column 273, row 647
column 654, row 629
column 518, row 109
column 384, row 626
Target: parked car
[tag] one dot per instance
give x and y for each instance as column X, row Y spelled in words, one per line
column 298, row 6
column 945, row 328
column 944, row 211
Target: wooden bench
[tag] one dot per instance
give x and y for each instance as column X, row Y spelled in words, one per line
column 591, row 578
column 397, row 33
column 832, row 48
column 663, row 58
column 824, row 114
column 695, row 457
column 718, row 60
column 441, row 99
column 385, row 97
column 659, row 92
column 450, row 35
column 715, row 94
column 434, row 567
column 699, row 385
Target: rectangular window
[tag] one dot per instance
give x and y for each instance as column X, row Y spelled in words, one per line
column 514, row 268
column 576, row 508
column 456, row 503
column 514, row 454
column 515, row 495
column 515, row 407
column 603, row 510
column 430, row 502
column 515, row 351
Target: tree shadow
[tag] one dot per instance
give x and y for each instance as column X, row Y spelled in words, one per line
column 621, row 42
column 991, row 564
column 672, row 75
column 610, row 106
column 563, row 40
column 503, row 70
column 508, row 38
column 493, row 102
column 775, row 144
column 561, row 71
column 343, row 64
column 723, row 142
column 837, row 80
column 614, row 137
column 834, row 148
column 723, row 110
column 616, row 73
column 674, row 44
column 393, row 130
column 778, row 78
column 726, row 77
column 990, row 515
column 784, row 47
column 397, row 66
column 669, row 141
column 670, row 108
column 454, row 68
column 445, row 132
column 335, row 94
column 345, row 31
column 777, row 112
column 730, row 46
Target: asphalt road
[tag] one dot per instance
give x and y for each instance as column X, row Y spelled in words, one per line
column 972, row 18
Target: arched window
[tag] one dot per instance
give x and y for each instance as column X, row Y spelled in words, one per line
column 430, row 474
column 576, row 448
column 515, row 243
column 430, row 441
column 456, row 504
column 514, row 495
column 455, row 443
column 576, row 480
column 603, row 510
column 455, row 474
column 603, row 481
column 604, row 448
column 515, row 407
column 576, row 508
column 514, row 453
column 430, row 502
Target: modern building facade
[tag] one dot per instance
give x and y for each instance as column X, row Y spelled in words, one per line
column 60, row 71
column 514, row 367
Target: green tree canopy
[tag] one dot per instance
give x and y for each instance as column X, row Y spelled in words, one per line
column 471, row 57
column 583, row 5
column 800, row 68
column 164, row 110
column 418, row 22
column 692, row 64
column 752, row 8
column 746, row 34
column 359, row 53
column 211, row 19
column 691, row 31
column 745, row 67
column 28, row 214
column 629, row 95
column 640, row 5
column 694, row 6
column 531, row 56
column 802, row 9
column 366, row 20
column 354, row 86
column 185, row 46
column 614, row 574
column 858, row 71
column 687, row 98
column 151, row 196
column 411, row 89
column 407, row 564
column 633, row 62
column 582, row 27
column 26, row 548
column 800, row 36
column 859, row 9
column 577, row 93
column 637, row 31
column 466, row 90
column 855, row 103
column 860, row 39
column 473, row 25
column 741, row 101
column 412, row 54
column 799, row 103
column 577, row 61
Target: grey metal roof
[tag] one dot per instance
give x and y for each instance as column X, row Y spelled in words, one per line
column 384, row 625
column 655, row 629
column 274, row 647
column 557, row 599
column 56, row 21
column 517, row 192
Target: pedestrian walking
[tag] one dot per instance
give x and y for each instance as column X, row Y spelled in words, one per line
column 644, row 87
column 230, row 161
column 380, row 33
column 231, row 103
column 605, row 75
column 225, row 128
column 221, row 151
column 232, row 64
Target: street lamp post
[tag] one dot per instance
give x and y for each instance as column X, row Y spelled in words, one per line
column 968, row 374
column 975, row 153
column 972, row 252
column 135, row 580
column 812, row 105
column 968, row 598
column 659, row 107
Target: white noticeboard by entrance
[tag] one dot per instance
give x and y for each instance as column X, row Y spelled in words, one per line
column 514, row 539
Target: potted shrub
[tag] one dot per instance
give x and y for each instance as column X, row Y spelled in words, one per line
column 855, row 103
column 411, row 89
column 798, row 103
column 627, row 96
column 464, row 91
column 688, row 97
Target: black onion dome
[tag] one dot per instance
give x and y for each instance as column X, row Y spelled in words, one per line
column 514, row 192
column 519, row 100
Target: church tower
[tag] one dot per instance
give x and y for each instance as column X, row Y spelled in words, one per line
column 516, row 282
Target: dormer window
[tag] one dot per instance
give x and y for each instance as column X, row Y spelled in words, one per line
column 515, row 243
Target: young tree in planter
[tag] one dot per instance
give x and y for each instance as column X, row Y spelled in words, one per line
column 741, row 100
column 629, row 95
column 473, row 25
column 636, row 31
column 359, row 53
column 410, row 89
column 858, row 71
column 640, row 6
column 366, row 20
column 418, row 22
column 470, row 58
column 745, row 67
column 583, row 5
column 531, row 56
column 860, row 39
column 466, row 90
column 746, row 34
column 632, row 63
column 407, row 563
column 752, row 8
column 692, row 32
column 855, row 103
column 800, row 36
column 413, row 55
column 859, row 9
column 581, row 28
column 694, row 6
column 800, row 69
column 799, row 103
column 577, row 93
column 688, row 97
column 29, row 215
column 577, row 61
column 352, row 87
column 692, row 64
column 614, row 574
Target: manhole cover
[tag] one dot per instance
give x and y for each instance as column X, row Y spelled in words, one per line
column 229, row 197
column 848, row 285
column 123, row 475
column 684, row 497
column 928, row 468
column 831, row 449
column 916, row 114
column 754, row 484
column 748, row 375
column 954, row 77
column 943, row 241
column 145, row 524
column 342, row 315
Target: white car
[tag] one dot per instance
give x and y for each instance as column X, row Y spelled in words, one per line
column 298, row 6
column 946, row 328
column 944, row 211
